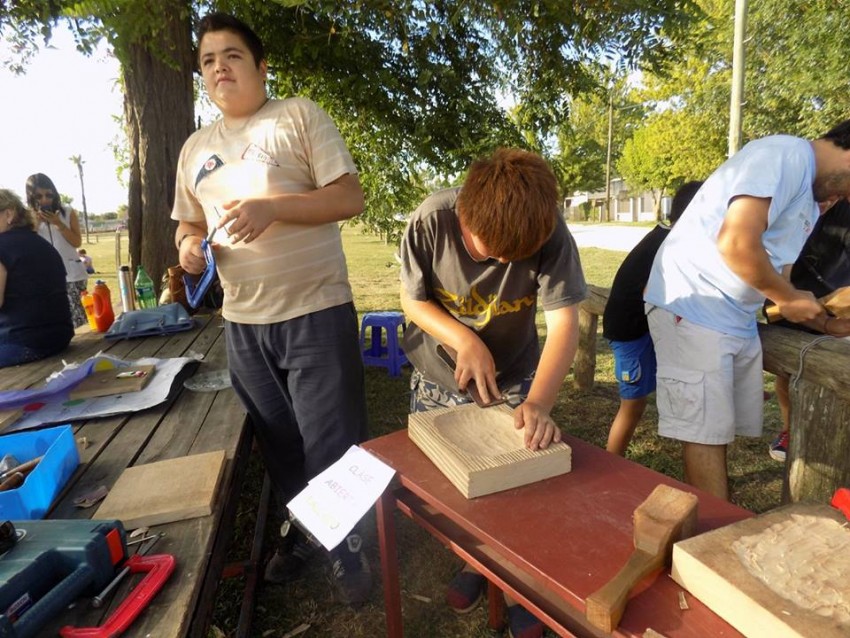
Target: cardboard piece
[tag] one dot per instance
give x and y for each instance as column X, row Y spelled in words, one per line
column 708, row 567
column 481, row 452
column 165, row 491
column 107, row 382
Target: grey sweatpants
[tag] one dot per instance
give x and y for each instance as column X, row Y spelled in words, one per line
column 302, row 383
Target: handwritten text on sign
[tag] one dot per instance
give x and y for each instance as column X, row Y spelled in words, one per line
column 335, row 500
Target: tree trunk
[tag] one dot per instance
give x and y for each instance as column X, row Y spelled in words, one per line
column 818, row 462
column 589, row 312
column 159, row 111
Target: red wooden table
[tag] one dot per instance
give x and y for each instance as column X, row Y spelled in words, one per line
column 550, row 544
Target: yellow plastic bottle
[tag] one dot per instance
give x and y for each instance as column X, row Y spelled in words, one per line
column 88, row 305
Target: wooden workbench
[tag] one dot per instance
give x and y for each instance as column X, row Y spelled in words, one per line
column 549, row 544
column 187, row 423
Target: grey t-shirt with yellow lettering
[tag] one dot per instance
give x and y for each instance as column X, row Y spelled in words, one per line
column 497, row 301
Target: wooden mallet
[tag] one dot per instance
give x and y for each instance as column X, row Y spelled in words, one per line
column 666, row 516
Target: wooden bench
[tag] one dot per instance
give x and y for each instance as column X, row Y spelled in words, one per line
column 187, row 423
column 817, row 458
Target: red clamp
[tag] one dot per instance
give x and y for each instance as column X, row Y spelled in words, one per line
column 158, row 568
column 841, row 500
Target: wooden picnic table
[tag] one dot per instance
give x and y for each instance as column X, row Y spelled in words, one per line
column 186, row 423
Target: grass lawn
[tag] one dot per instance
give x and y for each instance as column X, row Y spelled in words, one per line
column 102, row 248
column 426, row 567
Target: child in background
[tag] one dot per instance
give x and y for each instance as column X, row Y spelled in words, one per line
column 624, row 325
column 86, row 259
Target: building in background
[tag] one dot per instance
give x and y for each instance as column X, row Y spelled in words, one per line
column 627, row 204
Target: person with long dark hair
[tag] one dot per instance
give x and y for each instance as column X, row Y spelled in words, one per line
column 60, row 225
column 35, row 321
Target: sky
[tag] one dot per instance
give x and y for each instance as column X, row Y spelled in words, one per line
column 65, row 105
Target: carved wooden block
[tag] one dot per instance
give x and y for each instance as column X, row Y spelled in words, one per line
column 481, row 452
column 785, row 573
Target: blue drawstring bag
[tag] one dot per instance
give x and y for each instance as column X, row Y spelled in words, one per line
column 162, row 320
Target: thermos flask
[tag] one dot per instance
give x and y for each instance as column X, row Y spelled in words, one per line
column 125, row 285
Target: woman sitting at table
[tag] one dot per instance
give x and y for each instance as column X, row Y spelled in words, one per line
column 35, row 319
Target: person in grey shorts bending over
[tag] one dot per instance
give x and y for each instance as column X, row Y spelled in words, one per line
column 733, row 247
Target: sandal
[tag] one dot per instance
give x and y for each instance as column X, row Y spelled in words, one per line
column 521, row 624
column 465, row 591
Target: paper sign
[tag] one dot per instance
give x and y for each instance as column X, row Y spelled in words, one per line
column 335, row 500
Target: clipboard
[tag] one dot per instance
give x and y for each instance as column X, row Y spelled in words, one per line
column 196, row 291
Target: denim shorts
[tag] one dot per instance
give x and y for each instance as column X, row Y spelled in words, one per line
column 634, row 367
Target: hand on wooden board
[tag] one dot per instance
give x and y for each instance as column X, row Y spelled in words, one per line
column 540, row 429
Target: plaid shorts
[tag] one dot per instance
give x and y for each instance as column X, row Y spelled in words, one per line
column 427, row 395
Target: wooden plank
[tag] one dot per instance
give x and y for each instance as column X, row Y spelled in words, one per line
column 481, row 452
column 104, row 383
column 166, row 491
column 724, row 574
column 784, row 349
column 8, row 417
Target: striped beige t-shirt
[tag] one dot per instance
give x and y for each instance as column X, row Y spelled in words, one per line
column 288, row 146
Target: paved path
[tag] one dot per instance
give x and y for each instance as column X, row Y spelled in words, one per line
column 608, row 236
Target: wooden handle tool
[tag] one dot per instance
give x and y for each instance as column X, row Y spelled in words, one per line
column 23, row 468
column 16, row 479
column 666, row 516
column 449, row 357
column 837, row 303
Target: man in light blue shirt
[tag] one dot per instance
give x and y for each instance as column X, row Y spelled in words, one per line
column 732, row 248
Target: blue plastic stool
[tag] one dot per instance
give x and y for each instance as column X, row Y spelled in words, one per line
column 389, row 356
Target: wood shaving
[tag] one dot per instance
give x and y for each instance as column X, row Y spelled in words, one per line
column 300, row 629
column 651, row 633
column 91, row 498
column 683, row 604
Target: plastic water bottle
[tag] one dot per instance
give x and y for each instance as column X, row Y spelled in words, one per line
column 88, row 305
column 144, row 289
column 103, row 314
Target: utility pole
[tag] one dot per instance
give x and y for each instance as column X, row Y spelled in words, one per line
column 78, row 162
column 738, row 55
column 608, row 155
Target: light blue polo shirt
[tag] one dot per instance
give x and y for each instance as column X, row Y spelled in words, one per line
column 689, row 277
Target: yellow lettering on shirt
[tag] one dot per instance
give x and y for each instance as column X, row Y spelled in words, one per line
column 481, row 308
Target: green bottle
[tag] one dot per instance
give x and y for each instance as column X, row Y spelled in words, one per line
column 144, row 289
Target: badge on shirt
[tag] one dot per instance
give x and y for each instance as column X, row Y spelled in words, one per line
column 212, row 164
column 256, row 154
